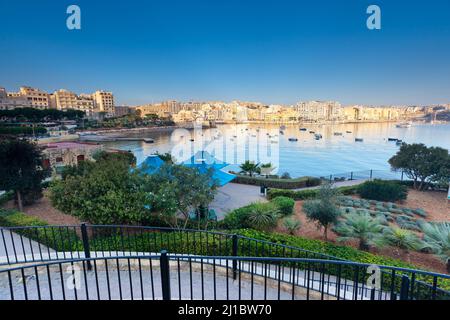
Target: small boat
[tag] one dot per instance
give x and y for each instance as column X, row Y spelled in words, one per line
column 191, row 139
column 399, row 142
column 293, row 139
column 318, row 136
column 283, row 127
column 312, row 132
column 303, row 129
column 338, row 133
column 403, row 125
column 149, row 140
column 359, row 139
column 281, row 132
column 348, row 131
column 392, row 139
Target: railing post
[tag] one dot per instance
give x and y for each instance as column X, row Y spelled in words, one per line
column 371, row 174
column 351, row 175
column 85, row 239
column 165, row 275
column 402, row 176
column 234, row 253
column 404, row 290
column 331, row 178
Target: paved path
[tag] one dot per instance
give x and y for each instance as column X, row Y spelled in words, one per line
column 233, row 196
column 133, row 279
column 14, row 247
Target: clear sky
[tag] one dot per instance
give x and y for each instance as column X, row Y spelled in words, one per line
column 269, row 51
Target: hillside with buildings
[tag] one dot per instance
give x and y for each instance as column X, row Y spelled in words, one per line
column 101, row 104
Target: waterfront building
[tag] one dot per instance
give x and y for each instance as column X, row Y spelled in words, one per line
column 64, row 99
column 36, row 97
column 121, row 111
column 316, row 111
column 366, row 113
column 104, row 102
column 12, row 101
column 60, row 154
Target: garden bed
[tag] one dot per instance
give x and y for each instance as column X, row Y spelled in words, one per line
column 436, row 209
column 296, row 183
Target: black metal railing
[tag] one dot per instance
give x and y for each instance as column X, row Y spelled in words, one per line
column 169, row 277
column 366, row 175
column 89, row 244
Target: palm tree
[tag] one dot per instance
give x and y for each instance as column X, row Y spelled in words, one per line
column 291, row 225
column 250, row 167
column 360, row 226
column 437, row 239
column 267, row 169
column 402, row 239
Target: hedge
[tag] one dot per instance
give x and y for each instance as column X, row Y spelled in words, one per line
column 305, row 194
column 22, row 130
column 302, row 182
column 382, row 190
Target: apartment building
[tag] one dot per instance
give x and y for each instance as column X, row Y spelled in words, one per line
column 104, row 102
column 9, row 101
column 86, row 103
column 314, row 111
column 121, row 111
column 38, row 99
column 64, row 99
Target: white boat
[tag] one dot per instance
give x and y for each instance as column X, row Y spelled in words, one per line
column 403, row 125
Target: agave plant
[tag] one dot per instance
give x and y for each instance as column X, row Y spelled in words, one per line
column 360, row 226
column 437, row 239
column 401, row 238
column 263, row 216
column 250, row 167
column 291, row 225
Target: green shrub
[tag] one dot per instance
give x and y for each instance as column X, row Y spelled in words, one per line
column 263, row 216
column 382, row 190
column 6, row 197
column 246, row 217
column 280, row 183
column 284, row 204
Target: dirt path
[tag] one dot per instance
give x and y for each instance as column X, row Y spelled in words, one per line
column 44, row 210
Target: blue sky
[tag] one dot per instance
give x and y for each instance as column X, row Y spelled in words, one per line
column 270, row 51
